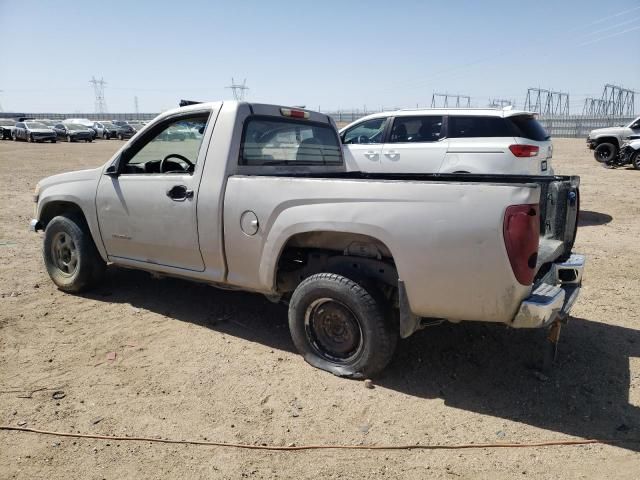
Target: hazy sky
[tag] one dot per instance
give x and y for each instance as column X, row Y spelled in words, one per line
column 327, row 54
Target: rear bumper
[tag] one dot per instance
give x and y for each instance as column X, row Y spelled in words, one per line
column 553, row 297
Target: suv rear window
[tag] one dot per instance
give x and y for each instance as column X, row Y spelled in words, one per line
column 474, row 126
column 275, row 141
column 526, row 126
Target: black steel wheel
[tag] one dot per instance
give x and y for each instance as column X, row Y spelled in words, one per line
column 605, row 152
column 339, row 326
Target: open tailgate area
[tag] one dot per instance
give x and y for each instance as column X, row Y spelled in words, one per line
column 559, row 207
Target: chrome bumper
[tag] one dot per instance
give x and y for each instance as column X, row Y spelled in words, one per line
column 34, row 225
column 553, row 297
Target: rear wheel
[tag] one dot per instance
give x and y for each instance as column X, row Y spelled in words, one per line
column 71, row 257
column 605, row 152
column 338, row 326
column 635, row 160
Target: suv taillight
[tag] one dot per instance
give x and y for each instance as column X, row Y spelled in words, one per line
column 524, row 150
column 521, row 232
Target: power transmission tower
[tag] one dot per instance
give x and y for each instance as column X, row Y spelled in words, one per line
column 500, row 103
column 446, row 97
column 98, row 90
column 135, row 105
column 0, row 103
column 546, row 102
column 618, row 101
column 593, row 106
column 239, row 89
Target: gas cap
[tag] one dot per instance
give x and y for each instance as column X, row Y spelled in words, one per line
column 249, row 223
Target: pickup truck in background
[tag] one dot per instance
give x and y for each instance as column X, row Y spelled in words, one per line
column 260, row 200
column 607, row 142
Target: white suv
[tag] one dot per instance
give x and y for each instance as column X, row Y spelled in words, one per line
column 448, row 141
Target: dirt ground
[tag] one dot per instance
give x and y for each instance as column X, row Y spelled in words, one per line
column 193, row 362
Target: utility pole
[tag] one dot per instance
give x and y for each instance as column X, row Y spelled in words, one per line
column 135, row 106
column 239, row 89
column 98, row 90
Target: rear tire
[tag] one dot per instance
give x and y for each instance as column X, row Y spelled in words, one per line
column 338, row 326
column 605, row 152
column 70, row 256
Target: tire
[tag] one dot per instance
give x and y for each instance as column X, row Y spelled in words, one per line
column 90, row 140
column 368, row 340
column 69, row 138
column 605, row 152
column 635, row 160
column 14, row 137
column 53, row 140
column 30, row 138
column 70, row 256
column 120, row 137
column 105, row 137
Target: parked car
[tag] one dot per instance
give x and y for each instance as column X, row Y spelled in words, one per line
column 6, row 128
column 73, row 132
column 125, row 129
column 33, row 131
column 448, row 141
column 606, row 142
column 360, row 259
column 84, row 122
column 107, row 130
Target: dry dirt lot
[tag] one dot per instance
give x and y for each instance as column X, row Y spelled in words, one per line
column 193, row 362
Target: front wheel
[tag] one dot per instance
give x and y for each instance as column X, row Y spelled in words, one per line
column 635, row 160
column 605, row 152
column 338, row 326
column 120, row 137
column 30, row 138
column 70, row 256
column 69, row 138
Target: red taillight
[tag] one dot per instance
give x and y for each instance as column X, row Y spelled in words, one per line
column 521, row 232
column 524, row 150
column 290, row 112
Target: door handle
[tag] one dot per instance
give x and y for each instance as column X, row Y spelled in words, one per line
column 392, row 154
column 179, row 193
column 371, row 154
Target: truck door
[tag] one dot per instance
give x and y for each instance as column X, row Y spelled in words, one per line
column 147, row 207
column 415, row 145
column 362, row 144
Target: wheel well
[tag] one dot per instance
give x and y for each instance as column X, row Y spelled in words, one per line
column 53, row 209
column 359, row 257
column 613, row 140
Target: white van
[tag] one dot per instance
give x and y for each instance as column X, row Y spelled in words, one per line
column 451, row 140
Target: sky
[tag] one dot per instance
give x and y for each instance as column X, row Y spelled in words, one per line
column 327, row 54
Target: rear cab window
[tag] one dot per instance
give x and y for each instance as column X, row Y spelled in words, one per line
column 273, row 141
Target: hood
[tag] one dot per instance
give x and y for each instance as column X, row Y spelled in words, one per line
column 91, row 175
column 41, row 130
column 599, row 132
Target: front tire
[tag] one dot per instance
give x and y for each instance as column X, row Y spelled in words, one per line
column 635, row 160
column 70, row 256
column 338, row 326
column 69, row 138
column 605, row 152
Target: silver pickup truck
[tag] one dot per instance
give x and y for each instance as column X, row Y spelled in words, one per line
column 257, row 198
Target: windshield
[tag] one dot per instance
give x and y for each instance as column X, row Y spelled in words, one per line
column 35, row 125
column 74, row 126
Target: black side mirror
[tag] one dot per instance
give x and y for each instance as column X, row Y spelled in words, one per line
column 112, row 170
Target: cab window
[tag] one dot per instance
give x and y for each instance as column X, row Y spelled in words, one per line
column 171, row 147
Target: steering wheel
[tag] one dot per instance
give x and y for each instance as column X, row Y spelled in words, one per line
column 179, row 157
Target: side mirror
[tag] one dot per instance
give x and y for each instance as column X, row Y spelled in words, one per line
column 112, row 170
